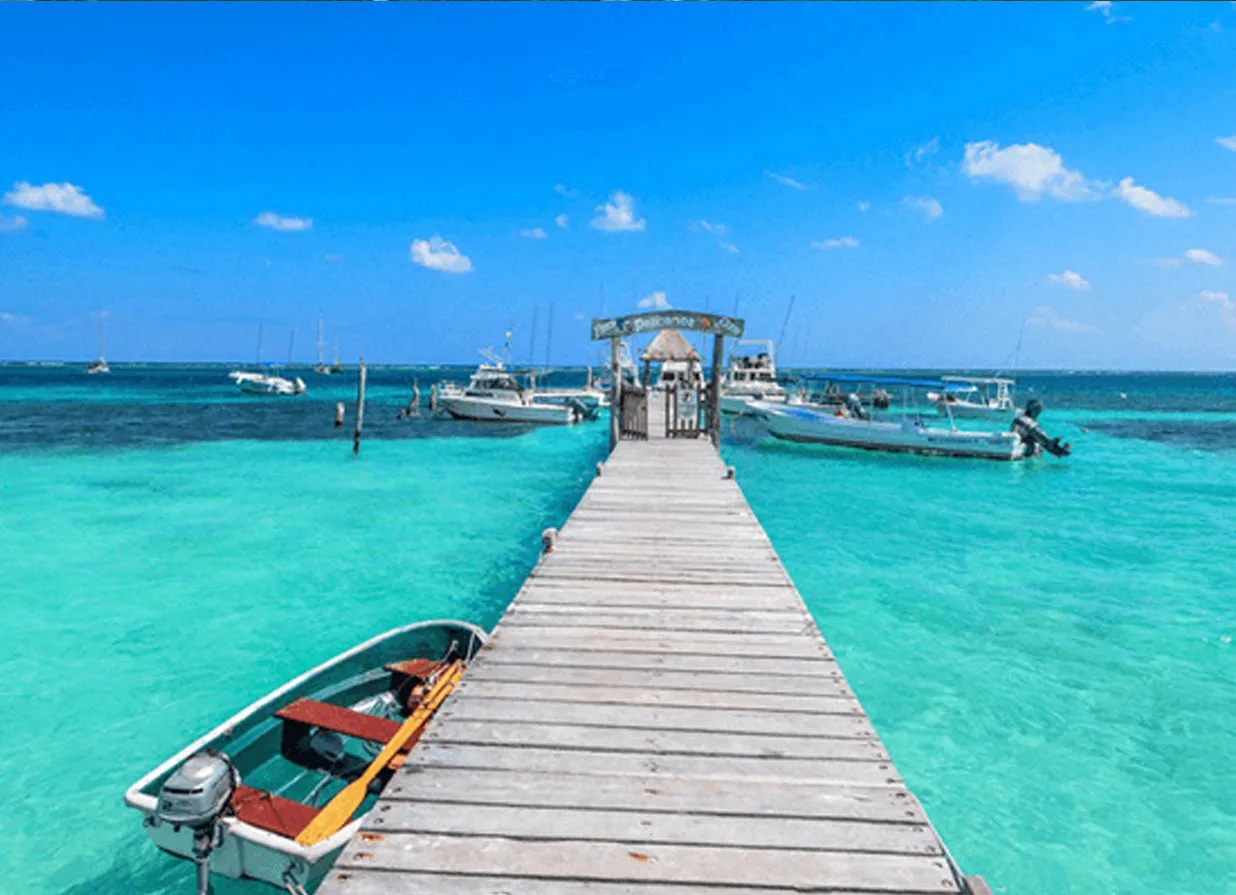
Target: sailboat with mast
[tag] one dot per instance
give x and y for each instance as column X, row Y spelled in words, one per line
column 259, row 383
column 99, row 365
column 320, row 368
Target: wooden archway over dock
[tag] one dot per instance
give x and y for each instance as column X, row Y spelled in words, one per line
column 617, row 328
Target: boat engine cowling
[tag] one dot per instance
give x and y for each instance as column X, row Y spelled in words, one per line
column 198, row 791
column 195, row 796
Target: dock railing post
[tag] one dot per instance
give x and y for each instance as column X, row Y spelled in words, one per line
column 360, row 408
column 714, row 391
column 615, row 400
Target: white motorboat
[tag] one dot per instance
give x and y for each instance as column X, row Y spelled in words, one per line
column 751, row 377
column 264, row 796
column 267, row 383
column 493, row 394
column 680, row 374
column 851, row 426
column 975, row 397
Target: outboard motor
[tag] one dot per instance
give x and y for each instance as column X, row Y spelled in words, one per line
column 854, row 406
column 1032, row 435
column 196, row 795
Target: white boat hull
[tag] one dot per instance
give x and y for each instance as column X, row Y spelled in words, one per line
column 966, row 410
column 462, row 407
column 908, row 436
column 245, row 851
column 745, row 405
column 261, row 384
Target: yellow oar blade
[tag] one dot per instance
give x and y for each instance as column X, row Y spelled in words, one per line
column 335, row 815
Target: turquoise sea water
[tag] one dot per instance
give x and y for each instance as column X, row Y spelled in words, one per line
column 1046, row 648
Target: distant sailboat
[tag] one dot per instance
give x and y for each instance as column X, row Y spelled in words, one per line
column 336, row 367
column 100, row 365
column 259, row 383
column 320, row 368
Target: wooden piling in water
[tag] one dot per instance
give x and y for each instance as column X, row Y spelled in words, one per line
column 360, row 407
column 339, row 411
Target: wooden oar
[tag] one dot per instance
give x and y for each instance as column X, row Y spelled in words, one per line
column 336, row 813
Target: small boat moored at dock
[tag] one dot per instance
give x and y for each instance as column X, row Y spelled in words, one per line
column 850, row 423
column 844, row 428
column 274, row 793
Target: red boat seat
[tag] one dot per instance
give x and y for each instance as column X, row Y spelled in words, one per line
column 415, row 668
column 270, row 812
column 342, row 720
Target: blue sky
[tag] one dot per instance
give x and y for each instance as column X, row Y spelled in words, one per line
column 922, row 177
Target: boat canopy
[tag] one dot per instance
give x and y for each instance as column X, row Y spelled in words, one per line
column 980, row 380
column 888, row 380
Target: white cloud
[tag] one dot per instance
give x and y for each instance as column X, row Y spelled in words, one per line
column 1106, row 9
column 718, row 230
column 563, row 221
column 845, row 242
column 534, row 233
column 1227, row 142
column 1149, row 201
column 1046, row 315
column 1028, row 168
column 438, row 254
column 62, row 198
column 1202, row 256
column 656, row 301
column 917, row 154
column 276, row 221
column 563, row 190
column 786, row 180
column 13, row 319
column 864, row 206
column 1222, row 301
column 1070, row 279
column 618, row 215
column 928, row 206
column 1221, row 200
column 12, row 224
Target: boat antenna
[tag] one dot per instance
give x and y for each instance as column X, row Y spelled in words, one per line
column 549, row 333
column 1020, row 337
column 532, row 337
column 321, row 343
column 291, row 342
column 786, row 321
column 259, row 346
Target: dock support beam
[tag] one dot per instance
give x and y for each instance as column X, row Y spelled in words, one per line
column 360, row 408
column 714, row 391
column 615, row 400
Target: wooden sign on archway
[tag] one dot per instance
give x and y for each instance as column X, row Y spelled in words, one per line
column 617, row 328
column 653, row 321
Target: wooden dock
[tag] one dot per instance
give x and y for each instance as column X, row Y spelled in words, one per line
column 656, row 714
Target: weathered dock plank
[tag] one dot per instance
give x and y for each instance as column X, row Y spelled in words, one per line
column 656, row 714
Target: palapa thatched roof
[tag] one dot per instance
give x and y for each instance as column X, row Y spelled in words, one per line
column 669, row 345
